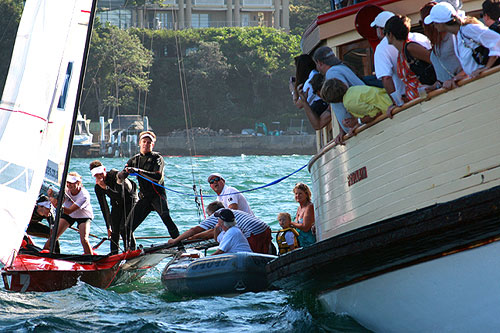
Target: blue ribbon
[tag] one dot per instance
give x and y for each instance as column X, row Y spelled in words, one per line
column 196, row 195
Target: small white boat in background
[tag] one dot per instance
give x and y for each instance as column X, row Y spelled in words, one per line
column 191, row 273
column 83, row 137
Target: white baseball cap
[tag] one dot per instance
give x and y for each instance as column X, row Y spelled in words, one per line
column 73, row 179
column 381, row 19
column 147, row 135
column 215, row 175
column 441, row 13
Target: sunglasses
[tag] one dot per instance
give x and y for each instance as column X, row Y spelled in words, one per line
column 213, row 180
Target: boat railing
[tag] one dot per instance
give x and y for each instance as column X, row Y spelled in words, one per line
column 325, row 136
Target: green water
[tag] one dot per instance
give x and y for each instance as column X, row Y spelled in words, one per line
column 144, row 305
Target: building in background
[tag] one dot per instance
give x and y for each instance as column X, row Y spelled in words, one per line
column 183, row 14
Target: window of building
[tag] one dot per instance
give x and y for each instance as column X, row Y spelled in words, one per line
column 200, row 20
column 122, row 18
column 245, row 20
column 162, row 21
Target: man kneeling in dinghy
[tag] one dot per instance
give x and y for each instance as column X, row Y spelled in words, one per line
column 256, row 231
column 232, row 240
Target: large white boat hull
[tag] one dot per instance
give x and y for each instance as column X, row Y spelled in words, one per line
column 456, row 293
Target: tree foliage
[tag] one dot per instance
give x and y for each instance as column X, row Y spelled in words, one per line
column 215, row 77
column 117, row 71
column 304, row 12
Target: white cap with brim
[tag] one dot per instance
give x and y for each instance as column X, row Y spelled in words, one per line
column 73, row 179
column 215, row 175
column 441, row 13
column 147, row 135
column 98, row 170
column 381, row 19
column 45, row 204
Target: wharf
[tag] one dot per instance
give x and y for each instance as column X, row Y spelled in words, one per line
column 229, row 145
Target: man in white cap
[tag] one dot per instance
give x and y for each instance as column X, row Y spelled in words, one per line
column 76, row 208
column 122, row 198
column 233, row 240
column 43, row 210
column 256, row 231
column 386, row 58
column 229, row 196
column 148, row 165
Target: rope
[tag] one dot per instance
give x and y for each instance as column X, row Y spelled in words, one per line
column 188, row 120
column 244, row 191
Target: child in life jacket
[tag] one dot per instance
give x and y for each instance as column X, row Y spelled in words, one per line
column 287, row 236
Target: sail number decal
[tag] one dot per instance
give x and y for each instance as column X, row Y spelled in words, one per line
column 357, row 176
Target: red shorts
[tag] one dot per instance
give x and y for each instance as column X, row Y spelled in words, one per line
column 261, row 243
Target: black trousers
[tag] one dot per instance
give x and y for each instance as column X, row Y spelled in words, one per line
column 118, row 229
column 145, row 206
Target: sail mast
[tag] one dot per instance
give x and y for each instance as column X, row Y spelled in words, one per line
column 60, row 197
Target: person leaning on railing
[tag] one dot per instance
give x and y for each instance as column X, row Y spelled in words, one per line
column 364, row 103
column 318, row 111
column 443, row 56
column 306, row 96
column 410, row 54
column 333, row 68
column 473, row 41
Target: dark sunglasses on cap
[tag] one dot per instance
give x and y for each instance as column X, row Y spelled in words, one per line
column 213, row 180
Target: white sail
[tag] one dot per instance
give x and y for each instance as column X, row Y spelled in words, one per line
column 37, row 107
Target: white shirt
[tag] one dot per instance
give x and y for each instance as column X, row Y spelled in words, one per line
column 421, row 39
column 386, row 59
column 469, row 37
column 386, row 64
column 82, row 200
column 230, row 195
column 233, row 241
column 311, row 97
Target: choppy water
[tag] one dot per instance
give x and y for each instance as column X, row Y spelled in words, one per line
column 145, row 306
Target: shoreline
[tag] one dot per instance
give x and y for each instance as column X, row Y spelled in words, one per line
column 232, row 145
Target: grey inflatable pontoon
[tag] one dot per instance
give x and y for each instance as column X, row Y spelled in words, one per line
column 231, row 273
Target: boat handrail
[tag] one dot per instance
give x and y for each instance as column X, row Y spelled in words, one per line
column 332, row 144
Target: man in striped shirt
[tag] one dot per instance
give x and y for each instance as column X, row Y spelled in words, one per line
column 257, row 232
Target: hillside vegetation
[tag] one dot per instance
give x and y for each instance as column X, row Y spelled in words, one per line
column 222, row 78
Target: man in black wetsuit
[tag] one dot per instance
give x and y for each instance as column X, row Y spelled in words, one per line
column 122, row 197
column 36, row 227
column 148, row 164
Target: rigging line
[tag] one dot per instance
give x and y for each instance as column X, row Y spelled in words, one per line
column 148, row 76
column 179, row 183
column 187, row 110
column 274, row 182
